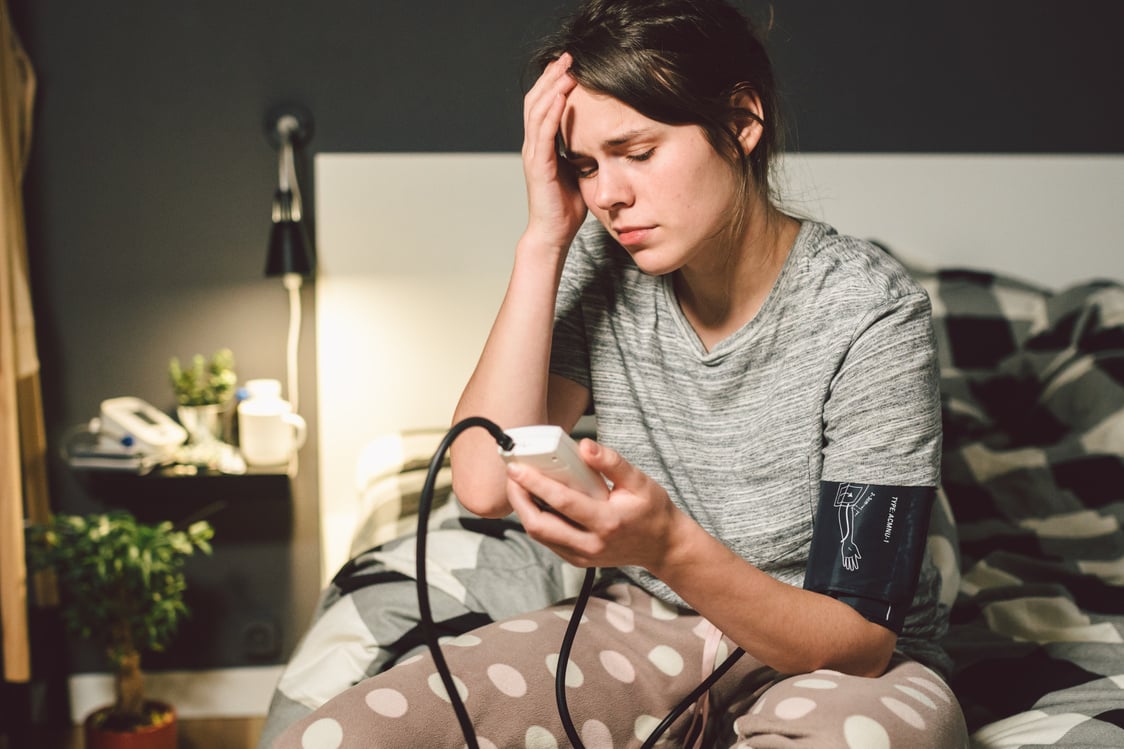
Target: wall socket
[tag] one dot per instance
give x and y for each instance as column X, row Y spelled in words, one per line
column 261, row 640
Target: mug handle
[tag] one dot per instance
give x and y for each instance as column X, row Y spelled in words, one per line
column 300, row 429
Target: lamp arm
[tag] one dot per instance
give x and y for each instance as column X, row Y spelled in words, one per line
column 292, row 282
column 289, row 127
column 287, row 181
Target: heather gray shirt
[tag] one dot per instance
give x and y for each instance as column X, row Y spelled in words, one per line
column 834, row 379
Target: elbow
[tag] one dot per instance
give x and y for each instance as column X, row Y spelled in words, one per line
column 865, row 665
column 872, row 665
column 869, row 653
column 483, row 501
column 488, row 511
column 479, row 478
column 845, row 641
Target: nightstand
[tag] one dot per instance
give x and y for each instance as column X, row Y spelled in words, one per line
column 238, row 594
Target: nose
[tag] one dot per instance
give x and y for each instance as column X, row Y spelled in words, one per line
column 613, row 190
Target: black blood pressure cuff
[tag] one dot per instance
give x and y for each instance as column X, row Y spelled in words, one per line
column 867, row 545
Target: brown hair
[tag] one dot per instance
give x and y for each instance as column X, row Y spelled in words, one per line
column 678, row 62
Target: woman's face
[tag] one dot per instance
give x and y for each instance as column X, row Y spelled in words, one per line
column 661, row 190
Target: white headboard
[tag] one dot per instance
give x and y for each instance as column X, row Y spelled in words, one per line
column 414, row 252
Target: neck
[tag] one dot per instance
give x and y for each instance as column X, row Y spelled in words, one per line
column 723, row 291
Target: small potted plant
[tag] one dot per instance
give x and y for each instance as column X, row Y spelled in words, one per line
column 122, row 586
column 203, row 393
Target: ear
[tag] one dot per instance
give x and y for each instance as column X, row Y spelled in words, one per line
column 749, row 119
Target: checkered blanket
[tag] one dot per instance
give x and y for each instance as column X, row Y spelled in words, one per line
column 1033, row 391
column 1026, row 532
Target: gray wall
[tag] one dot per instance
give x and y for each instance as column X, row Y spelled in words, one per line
column 149, row 188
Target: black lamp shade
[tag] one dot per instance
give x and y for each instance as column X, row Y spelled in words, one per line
column 288, row 245
column 288, row 250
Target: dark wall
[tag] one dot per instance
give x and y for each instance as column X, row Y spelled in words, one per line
column 149, row 188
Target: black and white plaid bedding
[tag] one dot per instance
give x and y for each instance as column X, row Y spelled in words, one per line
column 1033, row 388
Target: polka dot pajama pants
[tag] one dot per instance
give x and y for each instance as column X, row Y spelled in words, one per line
column 633, row 659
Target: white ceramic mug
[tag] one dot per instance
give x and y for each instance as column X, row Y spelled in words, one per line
column 268, row 389
column 269, row 434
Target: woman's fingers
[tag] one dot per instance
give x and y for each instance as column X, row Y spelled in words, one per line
column 554, row 202
column 554, row 80
column 536, row 499
column 543, row 113
column 612, row 465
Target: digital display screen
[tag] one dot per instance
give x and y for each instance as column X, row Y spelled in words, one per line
column 145, row 418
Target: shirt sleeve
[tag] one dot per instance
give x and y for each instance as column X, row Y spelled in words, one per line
column 569, row 351
column 882, row 418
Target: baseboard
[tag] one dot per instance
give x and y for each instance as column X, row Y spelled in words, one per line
column 221, row 693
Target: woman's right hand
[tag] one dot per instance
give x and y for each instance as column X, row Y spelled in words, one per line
column 555, row 206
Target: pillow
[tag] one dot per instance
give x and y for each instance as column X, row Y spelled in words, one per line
column 389, row 477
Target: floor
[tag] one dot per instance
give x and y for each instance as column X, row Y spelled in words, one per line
column 215, row 733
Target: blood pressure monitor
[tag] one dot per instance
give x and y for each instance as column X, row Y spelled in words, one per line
column 151, row 430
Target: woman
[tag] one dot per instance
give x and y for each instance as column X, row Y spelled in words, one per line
column 745, row 368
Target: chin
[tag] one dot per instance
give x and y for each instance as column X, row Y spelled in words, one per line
column 649, row 262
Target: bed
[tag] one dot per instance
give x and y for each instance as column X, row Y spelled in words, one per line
column 1027, row 529
column 1033, row 472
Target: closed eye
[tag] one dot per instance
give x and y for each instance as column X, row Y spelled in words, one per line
column 641, row 156
column 584, row 170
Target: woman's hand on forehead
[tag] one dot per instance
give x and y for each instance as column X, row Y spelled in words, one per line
column 556, row 209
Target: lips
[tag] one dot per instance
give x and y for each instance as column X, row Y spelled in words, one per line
column 632, row 235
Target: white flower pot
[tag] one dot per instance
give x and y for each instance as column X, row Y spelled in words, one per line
column 204, row 424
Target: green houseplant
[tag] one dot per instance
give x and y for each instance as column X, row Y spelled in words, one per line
column 206, row 382
column 203, row 391
column 122, row 583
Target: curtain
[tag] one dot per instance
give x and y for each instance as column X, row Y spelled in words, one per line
column 23, row 448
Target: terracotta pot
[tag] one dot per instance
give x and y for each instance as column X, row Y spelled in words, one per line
column 160, row 736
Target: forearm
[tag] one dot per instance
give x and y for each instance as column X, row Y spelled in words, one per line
column 510, row 382
column 788, row 628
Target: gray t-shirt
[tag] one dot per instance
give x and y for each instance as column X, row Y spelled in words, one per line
column 834, row 379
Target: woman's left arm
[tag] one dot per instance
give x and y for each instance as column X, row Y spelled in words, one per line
column 785, row 627
column 882, row 426
column 788, row 628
